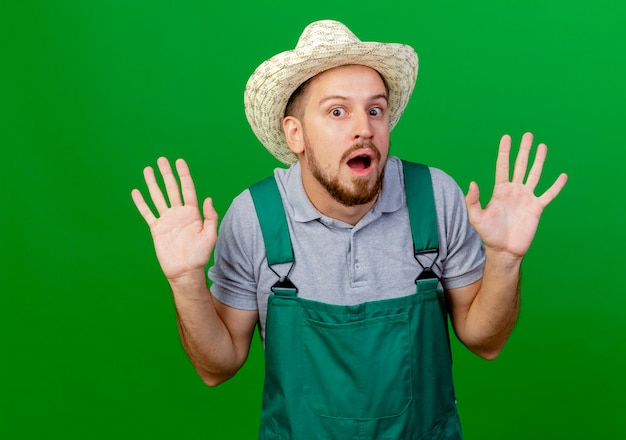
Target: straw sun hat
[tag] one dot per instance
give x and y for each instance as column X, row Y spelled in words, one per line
column 323, row 45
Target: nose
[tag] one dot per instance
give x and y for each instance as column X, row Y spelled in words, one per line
column 362, row 125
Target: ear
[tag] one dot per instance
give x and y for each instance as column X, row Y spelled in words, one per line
column 294, row 134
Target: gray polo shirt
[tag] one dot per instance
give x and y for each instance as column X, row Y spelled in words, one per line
column 336, row 262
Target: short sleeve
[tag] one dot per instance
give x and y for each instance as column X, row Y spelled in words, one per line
column 235, row 271
column 463, row 254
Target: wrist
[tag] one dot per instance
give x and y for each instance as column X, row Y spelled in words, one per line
column 192, row 281
column 503, row 260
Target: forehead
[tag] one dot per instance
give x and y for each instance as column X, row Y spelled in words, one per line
column 352, row 77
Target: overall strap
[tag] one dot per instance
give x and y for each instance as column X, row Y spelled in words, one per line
column 271, row 213
column 421, row 205
column 273, row 220
column 422, row 213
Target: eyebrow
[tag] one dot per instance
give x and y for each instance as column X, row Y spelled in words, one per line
column 345, row 98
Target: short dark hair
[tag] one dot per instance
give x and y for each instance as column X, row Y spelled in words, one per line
column 295, row 105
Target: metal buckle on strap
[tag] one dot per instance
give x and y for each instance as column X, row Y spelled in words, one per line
column 284, row 284
column 427, row 271
column 427, row 274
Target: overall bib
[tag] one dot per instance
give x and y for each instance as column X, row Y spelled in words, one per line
column 376, row 370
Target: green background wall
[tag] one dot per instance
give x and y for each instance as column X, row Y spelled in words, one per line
column 93, row 91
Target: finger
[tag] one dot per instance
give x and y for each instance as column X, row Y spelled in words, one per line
column 210, row 215
column 143, row 207
column 535, row 171
column 210, row 220
column 171, row 185
column 554, row 190
column 521, row 161
column 502, row 163
column 472, row 201
column 186, row 183
column 155, row 191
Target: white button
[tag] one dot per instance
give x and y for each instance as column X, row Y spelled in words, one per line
column 357, row 266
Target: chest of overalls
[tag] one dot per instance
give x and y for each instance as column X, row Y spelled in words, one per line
column 376, row 370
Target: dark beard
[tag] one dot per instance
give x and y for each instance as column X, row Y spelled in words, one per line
column 361, row 192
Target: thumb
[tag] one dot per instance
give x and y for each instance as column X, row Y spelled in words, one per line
column 472, row 202
column 210, row 215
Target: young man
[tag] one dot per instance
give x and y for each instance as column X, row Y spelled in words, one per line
column 350, row 260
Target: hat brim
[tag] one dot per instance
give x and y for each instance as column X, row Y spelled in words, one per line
column 269, row 88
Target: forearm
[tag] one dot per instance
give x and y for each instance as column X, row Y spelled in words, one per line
column 493, row 313
column 203, row 334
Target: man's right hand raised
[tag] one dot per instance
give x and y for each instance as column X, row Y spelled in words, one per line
column 182, row 239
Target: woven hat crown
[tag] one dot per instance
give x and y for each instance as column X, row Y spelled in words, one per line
column 326, row 32
column 322, row 45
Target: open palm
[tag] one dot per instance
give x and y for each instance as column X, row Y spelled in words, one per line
column 183, row 240
column 509, row 222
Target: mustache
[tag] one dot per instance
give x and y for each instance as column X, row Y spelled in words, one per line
column 359, row 145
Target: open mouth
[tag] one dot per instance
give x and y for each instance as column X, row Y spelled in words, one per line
column 360, row 162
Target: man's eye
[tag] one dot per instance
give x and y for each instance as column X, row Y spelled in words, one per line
column 376, row 111
column 338, row 112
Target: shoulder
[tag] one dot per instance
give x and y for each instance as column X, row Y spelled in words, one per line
column 242, row 207
column 448, row 194
column 241, row 223
column 239, row 231
column 449, row 198
column 443, row 181
column 443, row 184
